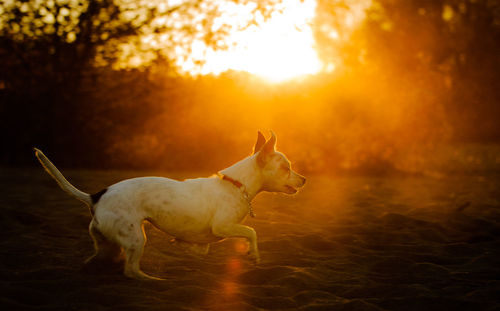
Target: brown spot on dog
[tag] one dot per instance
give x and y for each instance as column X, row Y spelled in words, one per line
column 96, row 196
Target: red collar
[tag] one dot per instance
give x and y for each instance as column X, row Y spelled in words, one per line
column 233, row 181
column 243, row 189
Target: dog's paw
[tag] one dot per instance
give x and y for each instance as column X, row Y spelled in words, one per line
column 254, row 257
column 141, row 276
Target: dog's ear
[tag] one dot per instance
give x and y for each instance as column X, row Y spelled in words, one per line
column 260, row 142
column 268, row 148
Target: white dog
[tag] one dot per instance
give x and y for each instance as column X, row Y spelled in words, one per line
column 198, row 211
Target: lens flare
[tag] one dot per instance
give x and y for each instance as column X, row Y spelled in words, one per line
column 278, row 49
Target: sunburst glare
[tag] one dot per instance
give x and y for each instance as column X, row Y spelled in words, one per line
column 278, row 49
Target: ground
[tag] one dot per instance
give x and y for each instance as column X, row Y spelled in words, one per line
column 343, row 243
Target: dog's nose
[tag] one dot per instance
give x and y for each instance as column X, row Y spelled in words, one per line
column 303, row 180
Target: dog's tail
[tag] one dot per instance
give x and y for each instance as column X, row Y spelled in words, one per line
column 63, row 183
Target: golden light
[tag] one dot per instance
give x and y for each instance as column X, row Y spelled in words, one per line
column 278, row 49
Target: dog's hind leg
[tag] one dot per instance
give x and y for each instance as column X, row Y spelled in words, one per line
column 107, row 254
column 132, row 238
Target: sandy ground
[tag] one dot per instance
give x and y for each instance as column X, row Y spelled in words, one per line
column 344, row 243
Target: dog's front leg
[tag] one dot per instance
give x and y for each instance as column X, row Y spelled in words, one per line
column 237, row 230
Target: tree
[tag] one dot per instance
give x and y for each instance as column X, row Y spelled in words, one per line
column 48, row 47
column 445, row 52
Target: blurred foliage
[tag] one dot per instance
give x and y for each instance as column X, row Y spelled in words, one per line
column 424, row 74
column 447, row 52
column 51, row 51
column 414, row 75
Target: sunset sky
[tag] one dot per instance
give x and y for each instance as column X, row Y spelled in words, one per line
column 277, row 49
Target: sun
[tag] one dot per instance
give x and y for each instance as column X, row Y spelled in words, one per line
column 278, row 49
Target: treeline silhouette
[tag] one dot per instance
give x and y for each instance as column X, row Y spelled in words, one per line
column 415, row 75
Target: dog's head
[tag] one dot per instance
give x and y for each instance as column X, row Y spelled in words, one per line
column 277, row 173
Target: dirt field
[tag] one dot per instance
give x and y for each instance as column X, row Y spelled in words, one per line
column 344, row 243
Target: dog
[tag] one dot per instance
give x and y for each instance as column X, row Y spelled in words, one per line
column 195, row 211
